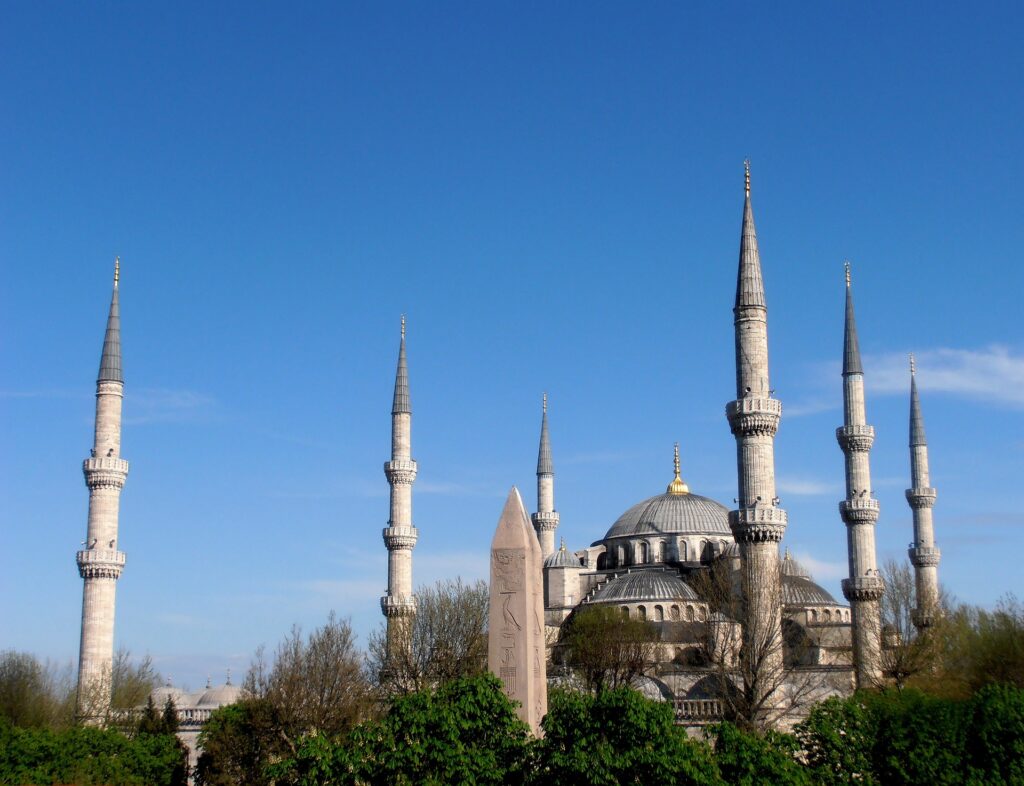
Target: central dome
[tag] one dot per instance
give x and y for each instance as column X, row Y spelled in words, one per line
column 675, row 514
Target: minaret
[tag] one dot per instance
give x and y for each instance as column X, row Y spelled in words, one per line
column 400, row 535
column 859, row 511
column 923, row 554
column 545, row 520
column 758, row 523
column 100, row 563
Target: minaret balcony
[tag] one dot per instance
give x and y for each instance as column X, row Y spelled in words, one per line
column 924, row 556
column 545, row 522
column 754, row 416
column 105, row 472
column 758, row 525
column 859, row 510
column 400, row 471
column 863, row 588
column 100, row 563
column 397, row 538
column 398, row 605
column 921, row 497
column 923, row 618
column 856, row 439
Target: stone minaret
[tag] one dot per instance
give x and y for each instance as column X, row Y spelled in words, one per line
column 758, row 524
column 859, row 511
column 400, row 535
column 545, row 520
column 923, row 554
column 100, row 563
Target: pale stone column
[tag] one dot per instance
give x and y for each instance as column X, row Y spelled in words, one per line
column 515, row 639
column 924, row 555
column 400, row 535
column 545, row 520
column 758, row 524
column 100, row 563
column 864, row 587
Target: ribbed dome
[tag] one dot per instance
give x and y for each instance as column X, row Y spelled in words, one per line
column 645, row 585
column 801, row 591
column 562, row 558
column 164, row 692
column 220, row 696
column 685, row 514
column 790, row 567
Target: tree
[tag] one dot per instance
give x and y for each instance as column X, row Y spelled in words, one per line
column 605, row 649
column 446, row 639
column 316, row 684
column 746, row 758
column 617, row 736
column 34, row 693
column 906, row 651
column 239, row 742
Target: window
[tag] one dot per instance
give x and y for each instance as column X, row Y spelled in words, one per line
column 641, row 612
column 674, row 612
column 659, row 613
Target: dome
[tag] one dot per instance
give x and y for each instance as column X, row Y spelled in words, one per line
column 673, row 513
column 164, row 692
column 644, row 585
column 790, row 567
column 562, row 559
column 801, row 591
column 220, row 696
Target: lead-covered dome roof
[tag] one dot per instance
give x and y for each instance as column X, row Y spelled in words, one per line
column 673, row 514
column 801, row 591
column 644, row 585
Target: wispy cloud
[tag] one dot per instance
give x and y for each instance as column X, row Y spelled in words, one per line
column 813, row 406
column 450, row 488
column 821, row 570
column 163, row 405
column 596, row 457
column 44, row 394
column 806, row 487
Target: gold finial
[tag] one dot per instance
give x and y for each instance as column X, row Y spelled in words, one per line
column 746, row 170
column 846, row 267
column 544, row 403
column 912, row 368
column 117, row 269
column 403, row 327
column 562, row 547
column 787, row 552
column 677, row 486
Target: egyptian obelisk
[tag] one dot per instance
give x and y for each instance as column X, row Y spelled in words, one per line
column 515, row 642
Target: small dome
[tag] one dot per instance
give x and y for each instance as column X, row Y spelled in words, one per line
column 645, row 585
column 219, row 696
column 731, row 551
column 164, row 692
column 562, row 559
column 684, row 514
column 790, row 567
column 801, row 591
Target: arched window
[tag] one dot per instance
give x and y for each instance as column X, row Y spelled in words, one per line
column 689, row 613
column 641, row 612
column 674, row 612
column 661, row 551
column 701, row 615
column 625, row 611
column 602, row 561
column 620, row 554
column 682, row 550
column 828, row 615
column 659, row 613
column 641, row 553
column 812, row 615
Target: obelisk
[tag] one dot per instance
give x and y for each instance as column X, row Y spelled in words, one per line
column 515, row 641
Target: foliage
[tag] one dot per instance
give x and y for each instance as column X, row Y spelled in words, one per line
column 154, row 721
column 239, row 741
column 994, row 745
column 907, row 652
column 837, row 738
column 446, row 639
column 465, row 731
column 35, row 694
column 86, row 756
column 605, row 649
column 746, row 758
column 617, row 736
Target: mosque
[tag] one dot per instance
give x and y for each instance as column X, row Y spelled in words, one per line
column 654, row 561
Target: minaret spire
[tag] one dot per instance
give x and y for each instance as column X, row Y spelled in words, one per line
column 100, row 563
column 864, row 587
column 924, row 555
column 545, row 520
column 400, row 535
column 758, row 523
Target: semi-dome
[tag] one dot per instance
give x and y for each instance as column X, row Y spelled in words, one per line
column 801, row 591
column 644, row 585
column 676, row 514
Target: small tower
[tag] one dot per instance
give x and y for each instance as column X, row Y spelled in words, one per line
column 100, row 563
column 924, row 556
column 400, row 535
column 758, row 523
column 859, row 511
column 545, row 520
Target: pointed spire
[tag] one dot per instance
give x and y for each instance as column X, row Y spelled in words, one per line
column 916, row 420
column 677, row 486
column 851, row 347
column 545, row 466
column 401, row 403
column 749, row 283
column 110, row 360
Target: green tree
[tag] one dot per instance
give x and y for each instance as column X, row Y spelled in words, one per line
column 994, row 742
column 34, row 693
column 605, row 649
column 748, row 758
column 838, row 737
column 617, row 736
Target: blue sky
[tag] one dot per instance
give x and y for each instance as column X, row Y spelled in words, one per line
column 553, row 194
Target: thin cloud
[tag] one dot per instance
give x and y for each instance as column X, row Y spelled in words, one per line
column 449, row 488
column 163, row 405
column 805, row 487
column 821, row 569
column 809, row 407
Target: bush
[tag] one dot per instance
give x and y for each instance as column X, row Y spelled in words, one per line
column 750, row 759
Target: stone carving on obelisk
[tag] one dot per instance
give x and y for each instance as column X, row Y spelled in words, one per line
column 515, row 641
